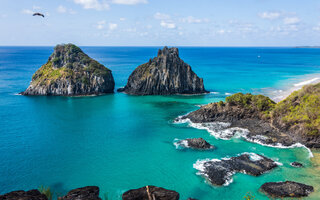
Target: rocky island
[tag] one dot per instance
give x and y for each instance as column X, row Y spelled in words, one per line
column 71, row 72
column 195, row 143
column 286, row 189
column 296, row 119
column 219, row 172
column 165, row 74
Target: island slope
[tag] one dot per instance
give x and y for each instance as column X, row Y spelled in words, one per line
column 71, row 72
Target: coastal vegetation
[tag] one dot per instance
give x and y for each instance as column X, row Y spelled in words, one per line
column 301, row 107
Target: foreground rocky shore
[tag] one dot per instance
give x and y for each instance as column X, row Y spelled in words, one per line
column 149, row 192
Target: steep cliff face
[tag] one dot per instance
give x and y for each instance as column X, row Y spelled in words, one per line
column 165, row 74
column 295, row 119
column 70, row 72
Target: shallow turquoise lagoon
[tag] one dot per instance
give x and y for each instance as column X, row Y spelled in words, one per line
column 119, row 142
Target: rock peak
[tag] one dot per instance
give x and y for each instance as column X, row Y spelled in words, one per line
column 168, row 51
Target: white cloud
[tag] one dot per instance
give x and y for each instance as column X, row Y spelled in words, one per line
column 62, row 9
column 100, row 24
column 193, row 20
column 93, row 4
column 270, row 15
column 27, row 11
column 316, row 28
column 291, row 20
column 169, row 25
column 221, row 31
column 36, row 7
column 161, row 16
column 112, row 26
column 129, row 2
column 122, row 19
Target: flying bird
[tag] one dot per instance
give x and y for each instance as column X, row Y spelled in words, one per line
column 38, row 14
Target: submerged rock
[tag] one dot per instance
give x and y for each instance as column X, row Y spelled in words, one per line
column 71, row 72
column 150, row 192
column 165, row 74
column 195, row 143
column 286, row 189
column 24, row 195
column 219, row 172
column 296, row 164
column 84, row 193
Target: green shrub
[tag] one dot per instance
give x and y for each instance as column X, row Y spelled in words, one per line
column 301, row 107
column 249, row 196
column 259, row 102
column 46, row 191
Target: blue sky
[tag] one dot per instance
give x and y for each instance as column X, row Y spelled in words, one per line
column 161, row 22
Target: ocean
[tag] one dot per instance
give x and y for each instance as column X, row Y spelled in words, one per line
column 120, row 142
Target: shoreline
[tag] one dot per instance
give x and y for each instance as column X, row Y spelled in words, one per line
column 286, row 87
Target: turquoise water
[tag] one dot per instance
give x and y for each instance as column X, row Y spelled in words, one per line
column 119, row 142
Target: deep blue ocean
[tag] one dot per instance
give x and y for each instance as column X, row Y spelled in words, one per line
column 120, row 142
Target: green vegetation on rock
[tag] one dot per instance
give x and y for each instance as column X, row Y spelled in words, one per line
column 257, row 102
column 301, row 107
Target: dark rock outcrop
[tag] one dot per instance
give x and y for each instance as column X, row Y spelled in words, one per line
column 219, row 172
column 84, row 193
column 296, row 164
column 24, row 195
column 268, row 122
column 165, row 74
column 286, row 189
column 195, row 143
column 71, row 72
column 150, row 192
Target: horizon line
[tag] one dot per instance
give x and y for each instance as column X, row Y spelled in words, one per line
column 301, row 46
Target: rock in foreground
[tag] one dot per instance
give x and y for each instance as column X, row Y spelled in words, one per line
column 70, row 72
column 219, row 172
column 195, row 143
column 150, row 192
column 165, row 74
column 85, row 193
column 24, row 195
column 286, row 189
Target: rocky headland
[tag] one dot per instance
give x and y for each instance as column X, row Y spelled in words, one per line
column 286, row 189
column 219, row 172
column 296, row 119
column 165, row 74
column 71, row 72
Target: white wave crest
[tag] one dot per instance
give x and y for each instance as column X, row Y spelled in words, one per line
column 221, row 130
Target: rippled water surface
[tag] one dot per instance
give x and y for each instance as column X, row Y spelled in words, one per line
column 119, row 142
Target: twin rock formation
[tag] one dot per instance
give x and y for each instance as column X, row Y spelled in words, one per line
column 71, row 72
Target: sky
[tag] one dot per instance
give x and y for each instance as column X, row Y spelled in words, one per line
column 160, row 22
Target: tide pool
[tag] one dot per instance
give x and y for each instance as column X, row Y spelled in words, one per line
column 120, row 142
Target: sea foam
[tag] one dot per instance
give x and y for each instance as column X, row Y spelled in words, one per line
column 222, row 130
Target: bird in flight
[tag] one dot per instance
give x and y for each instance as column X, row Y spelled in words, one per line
column 38, row 14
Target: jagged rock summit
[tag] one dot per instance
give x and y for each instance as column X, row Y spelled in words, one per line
column 71, row 72
column 165, row 74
